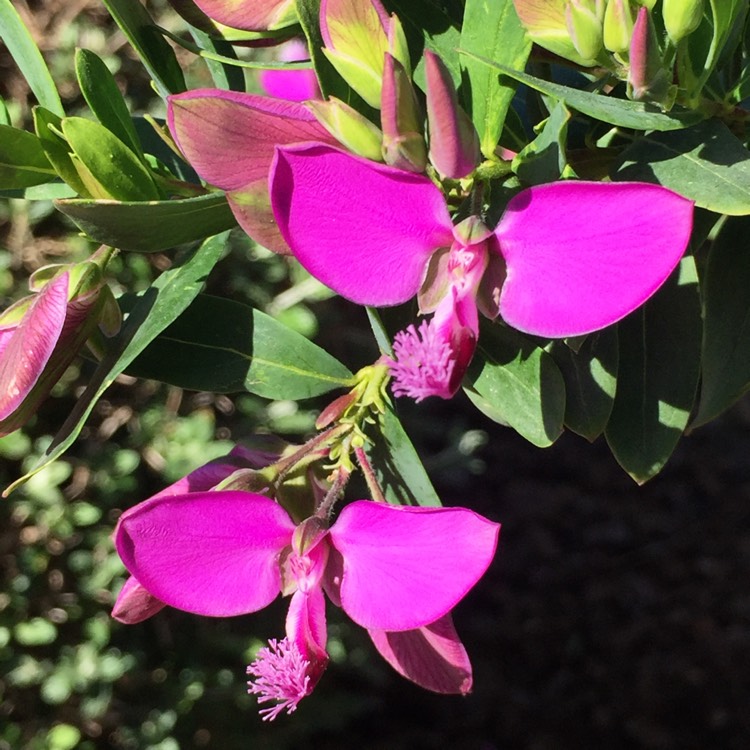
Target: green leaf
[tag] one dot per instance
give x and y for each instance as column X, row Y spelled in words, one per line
column 515, row 382
column 28, row 58
column 107, row 167
column 726, row 333
column 590, row 376
column 47, row 126
column 705, row 163
column 23, row 162
column 224, row 75
column 150, row 226
column 157, row 308
column 397, row 466
column 492, row 30
column 658, row 375
column 224, row 346
column 156, row 55
column 543, row 160
column 104, row 98
column 620, row 112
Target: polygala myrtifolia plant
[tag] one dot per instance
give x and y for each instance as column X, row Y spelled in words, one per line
column 561, row 186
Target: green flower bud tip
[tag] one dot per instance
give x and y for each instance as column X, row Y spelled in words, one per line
column 584, row 27
column 349, row 127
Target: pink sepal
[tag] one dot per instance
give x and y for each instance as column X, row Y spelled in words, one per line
column 134, row 604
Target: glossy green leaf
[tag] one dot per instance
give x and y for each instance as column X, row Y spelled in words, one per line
column 107, row 167
column 155, row 53
column 515, row 382
column 26, row 54
column 705, row 163
column 23, row 162
column 492, row 30
column 223, row 346
column 158, row 307
column 398, row 467
column 104, row 98
column 726, row 334
column 658, row 375
column 543, row 160
column 590, row 376
column 620, row 112
column 48, row 127
column 150, row 226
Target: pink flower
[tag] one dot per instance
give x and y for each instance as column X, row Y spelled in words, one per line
column 395, row 571
column 569, row 257
column 42, row 334
column 134, row 603
column 292, row 85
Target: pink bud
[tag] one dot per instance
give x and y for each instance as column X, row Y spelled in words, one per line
column 454, row 143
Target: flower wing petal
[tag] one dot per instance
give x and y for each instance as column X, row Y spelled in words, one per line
column 407, row 567
column 432, row 656
column 211, row 553
column 582, row 255
column 363, row 229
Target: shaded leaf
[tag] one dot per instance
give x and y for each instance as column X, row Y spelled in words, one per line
column 515, row 382
column 104, row 98
column 150, row 226
column 398, row 467
column 726, row 334
column 658, row 375
column 590, row 375
column 224, row 346
column 705, row 163
column 543, row 160
column 156, row 55
column 23, row 162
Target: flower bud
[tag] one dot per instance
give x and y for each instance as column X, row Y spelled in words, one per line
column 584, row 27
column 618, row 25
column 357, row 34
column 454, row 143
column 401, row 118
column 647, row 78
column 349, row 127
column 41, row 335
column 681, row 17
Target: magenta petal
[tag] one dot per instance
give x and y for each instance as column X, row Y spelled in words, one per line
column 212, row 553
column 229, row 138
column 26, row 353
column 582, row 255
column 432, row 656
column 363, row 229
column 292, row 85
column 407, row 567
column 134, row 604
